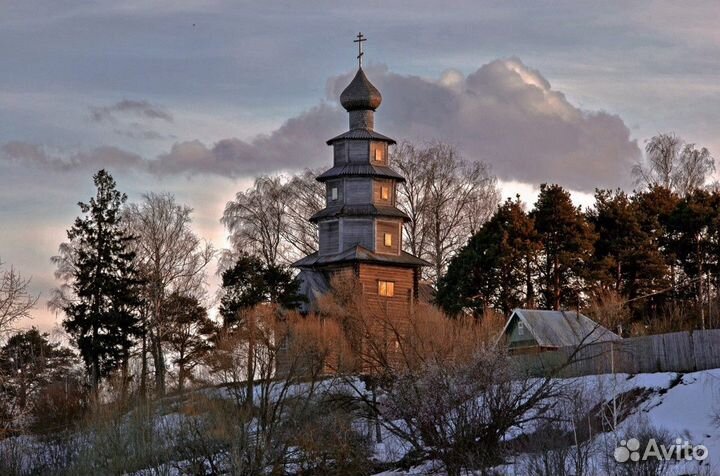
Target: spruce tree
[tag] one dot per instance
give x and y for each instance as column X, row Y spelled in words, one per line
column 102, row 315
column 568, row 241
column 496, row 268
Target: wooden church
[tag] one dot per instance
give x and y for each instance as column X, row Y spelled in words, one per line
column 360, row 228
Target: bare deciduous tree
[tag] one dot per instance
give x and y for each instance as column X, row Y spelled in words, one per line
column 672, row 163
column 270, row 219
column 307, row 196
column 171, row 259
column 16, row 300
column 447, row 199
column 265, row 423
column 255, row 219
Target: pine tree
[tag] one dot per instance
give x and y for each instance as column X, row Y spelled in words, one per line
column 29, row 362
column 655, row 207
column 691, row 227
column 189, row 330
column 625, row 258
column 568, row 239
column 496, row 268
column 102, row 315
column 251, row 282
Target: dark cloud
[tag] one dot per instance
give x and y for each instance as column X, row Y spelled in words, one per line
column 509, row 116
column 131, row 119
column 129, row 107
column 504, row 113
column 100, row 157
column 298, row 143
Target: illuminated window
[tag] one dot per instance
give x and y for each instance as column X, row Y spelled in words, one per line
column 334, row 193
column 388, row 239
column 386, row 288
column 385, row 192
column 378, row 155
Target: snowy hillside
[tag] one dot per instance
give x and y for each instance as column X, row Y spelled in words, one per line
column 616, row 407
column 678, row 405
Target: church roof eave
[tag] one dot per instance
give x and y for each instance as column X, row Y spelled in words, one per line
column 359, row 170
column 359, row 210
column 361, row 134
column 360, row 254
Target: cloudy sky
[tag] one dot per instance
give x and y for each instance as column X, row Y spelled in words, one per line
column 197, row 97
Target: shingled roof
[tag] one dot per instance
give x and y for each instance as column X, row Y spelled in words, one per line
column 560, row 328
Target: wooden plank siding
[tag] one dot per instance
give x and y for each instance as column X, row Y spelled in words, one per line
column 391, row 227
column 378, row 150
column 340, row 153
column 357, row 232
column 330, row 184
column 329, row 237
column 378, row 184
column 358, row 190
column 671, row 352
column 358, row 151
column 404, row 283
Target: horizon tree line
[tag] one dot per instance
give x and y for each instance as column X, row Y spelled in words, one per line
column 134, row 275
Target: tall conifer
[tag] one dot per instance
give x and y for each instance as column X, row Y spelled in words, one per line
column 102, row 315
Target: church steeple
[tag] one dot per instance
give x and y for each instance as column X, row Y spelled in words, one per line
column 361, row 98
column 361, row 227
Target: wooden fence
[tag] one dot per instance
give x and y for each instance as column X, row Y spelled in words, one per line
column 673, row 352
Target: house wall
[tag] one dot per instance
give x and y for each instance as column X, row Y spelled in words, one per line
column 378, row 184
column 329, row 237
column 394, row 229
column 357, row 232
column 339, row 153
column 358, row 151
column 517, row 337
column 405, row 287
column 358, row 190
column 382, row 312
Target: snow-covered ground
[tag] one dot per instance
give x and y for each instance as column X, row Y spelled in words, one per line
column 684, row 405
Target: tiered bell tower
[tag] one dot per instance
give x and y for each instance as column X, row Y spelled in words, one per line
column 361, row 226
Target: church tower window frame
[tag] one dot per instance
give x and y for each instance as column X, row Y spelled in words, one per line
column 386, row 288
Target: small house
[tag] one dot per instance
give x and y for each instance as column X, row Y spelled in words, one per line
column 533, row 330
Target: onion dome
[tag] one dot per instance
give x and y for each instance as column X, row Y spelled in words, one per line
column 360, row 94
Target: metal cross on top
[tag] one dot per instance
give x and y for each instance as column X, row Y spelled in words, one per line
column 359, row 41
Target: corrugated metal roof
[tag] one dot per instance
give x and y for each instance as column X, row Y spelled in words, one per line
column 361, row 134
column 561, row 328
column 360, row 170
column 362, row 254
column 359, row 210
